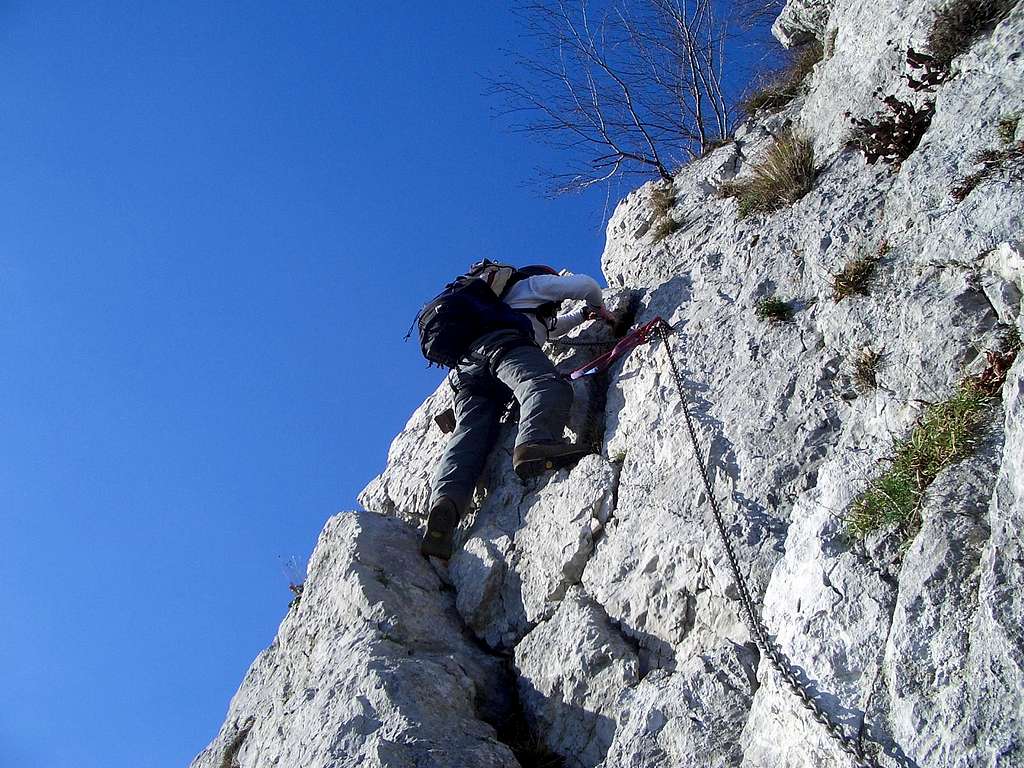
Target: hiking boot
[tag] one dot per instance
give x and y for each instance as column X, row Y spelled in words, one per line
column 441, row 522
column 532, row 459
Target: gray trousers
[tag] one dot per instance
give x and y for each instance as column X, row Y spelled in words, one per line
column 500, row 365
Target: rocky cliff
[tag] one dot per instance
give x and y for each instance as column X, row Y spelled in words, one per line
column 590, row 617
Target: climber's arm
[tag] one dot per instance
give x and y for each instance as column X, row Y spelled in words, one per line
column 567, row 321
column 544, row 288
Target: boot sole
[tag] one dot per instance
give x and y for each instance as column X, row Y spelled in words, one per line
column 438, row 539
column 437, row 546
column 535, row 467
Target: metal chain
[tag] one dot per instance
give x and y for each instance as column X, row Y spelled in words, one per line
column 757, row 629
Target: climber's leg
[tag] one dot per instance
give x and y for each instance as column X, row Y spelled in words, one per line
column 544, row 396
column 476, row 426
column 478, row 400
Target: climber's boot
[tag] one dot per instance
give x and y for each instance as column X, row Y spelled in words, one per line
column 532, row 459
column 441, row 522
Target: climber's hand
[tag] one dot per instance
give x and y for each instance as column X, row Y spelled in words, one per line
column 593, row 313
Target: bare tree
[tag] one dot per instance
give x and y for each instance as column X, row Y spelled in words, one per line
column 683, row 47
column 635, row 90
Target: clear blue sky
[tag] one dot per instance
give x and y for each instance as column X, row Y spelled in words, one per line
column 217, row 222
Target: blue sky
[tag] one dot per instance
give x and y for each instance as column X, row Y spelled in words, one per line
column 217, row 223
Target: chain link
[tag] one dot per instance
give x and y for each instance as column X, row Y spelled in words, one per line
column 757, row 629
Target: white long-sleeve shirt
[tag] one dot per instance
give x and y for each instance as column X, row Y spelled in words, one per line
column 542, row 289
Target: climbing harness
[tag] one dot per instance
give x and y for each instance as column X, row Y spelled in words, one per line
column 660, row 329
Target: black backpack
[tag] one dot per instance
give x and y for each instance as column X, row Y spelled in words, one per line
column 465, row 310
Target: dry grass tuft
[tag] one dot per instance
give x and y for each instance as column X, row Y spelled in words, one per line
column 959, row 23
column 1005, row 162
column 1006, row 128
column 529, row 749
column 664, row 227
column 663, row 198
column 786, row 84
column 780, row 178
column 853, row 279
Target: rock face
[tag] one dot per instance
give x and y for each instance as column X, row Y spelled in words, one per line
column 597, row 605
column 371, row 668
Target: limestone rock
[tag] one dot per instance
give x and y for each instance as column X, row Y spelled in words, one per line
column 691, row 717
column 359, row 666
column 523, row 553
column 802, row 21
column 928, row 665
column 574, row 672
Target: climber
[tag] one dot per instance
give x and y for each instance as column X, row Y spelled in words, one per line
column 509, row 363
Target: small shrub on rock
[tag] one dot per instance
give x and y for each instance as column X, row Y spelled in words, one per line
column 865, row 369
column 780, row 178
column 959, row 23
column 786, row 84
column 1006, row 128
column 892, row 135
column 993, row 376
column 928, row 72
column 774, row 309
column 664, row 227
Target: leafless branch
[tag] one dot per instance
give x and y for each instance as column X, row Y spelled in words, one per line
column 634, row 90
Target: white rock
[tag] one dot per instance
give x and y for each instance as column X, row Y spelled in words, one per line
column 574, row 673
column 523, row 553
column 690, row 717
column 359, row 666
column 802, row 21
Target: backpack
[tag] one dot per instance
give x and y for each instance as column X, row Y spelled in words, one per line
column 465, row 310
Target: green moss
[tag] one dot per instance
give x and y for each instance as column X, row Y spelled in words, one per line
column 775, row 309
